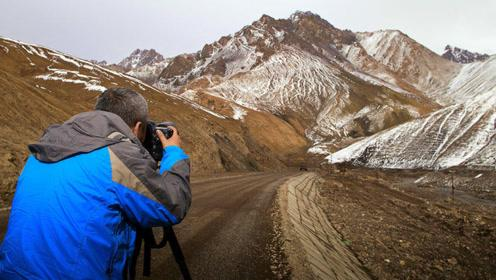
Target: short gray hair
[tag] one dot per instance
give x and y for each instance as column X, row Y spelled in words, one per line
column 127, row 104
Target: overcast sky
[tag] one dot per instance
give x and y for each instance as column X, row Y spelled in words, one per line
column 111, row 29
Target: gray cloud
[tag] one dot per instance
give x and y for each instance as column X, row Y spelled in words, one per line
column 111, row 29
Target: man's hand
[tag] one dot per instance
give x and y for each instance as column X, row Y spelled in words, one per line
column 175, row 139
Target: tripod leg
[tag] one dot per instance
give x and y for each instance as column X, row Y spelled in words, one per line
column 147, row 254
column 177, row 252
column 134, row 258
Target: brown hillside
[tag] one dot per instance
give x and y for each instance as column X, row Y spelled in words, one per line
column 40, row 87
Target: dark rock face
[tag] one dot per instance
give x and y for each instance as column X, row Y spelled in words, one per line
column 462, row 56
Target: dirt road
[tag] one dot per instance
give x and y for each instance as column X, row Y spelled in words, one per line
column 227, row 232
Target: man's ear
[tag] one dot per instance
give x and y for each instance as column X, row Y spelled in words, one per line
column 139, row 130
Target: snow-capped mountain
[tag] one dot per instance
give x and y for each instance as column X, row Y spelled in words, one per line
column 145, row 65
column 461, row 134
column 140, row 58
column 338, row 86
column 295, row 68
column 458, row 55
column 412, row 62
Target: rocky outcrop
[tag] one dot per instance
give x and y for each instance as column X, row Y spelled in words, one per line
column 458, row 55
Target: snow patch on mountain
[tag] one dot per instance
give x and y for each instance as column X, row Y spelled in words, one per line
column 289, row 78
column 238, row 113
column 61, row 76
column 472, row 80
column 140, row 58
column 461, row 134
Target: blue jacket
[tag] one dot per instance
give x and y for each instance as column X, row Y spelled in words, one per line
column 83, row 192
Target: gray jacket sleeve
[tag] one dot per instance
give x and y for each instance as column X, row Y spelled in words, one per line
column 164, row 195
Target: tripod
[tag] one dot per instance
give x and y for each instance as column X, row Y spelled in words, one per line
column 147, row 236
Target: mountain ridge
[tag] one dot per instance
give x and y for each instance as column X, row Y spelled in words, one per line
column 463, row 56
column 334, row 86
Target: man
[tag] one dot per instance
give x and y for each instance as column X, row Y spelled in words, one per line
column 86, row 188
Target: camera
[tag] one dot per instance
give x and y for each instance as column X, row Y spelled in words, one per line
column 152, row 142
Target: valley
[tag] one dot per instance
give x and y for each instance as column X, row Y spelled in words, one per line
column 317, row 152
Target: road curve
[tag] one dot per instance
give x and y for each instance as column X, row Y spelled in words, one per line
column 227, row 232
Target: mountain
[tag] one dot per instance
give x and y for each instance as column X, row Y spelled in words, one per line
column 462, row 56
column 404, row 105
column 263, row 96
column 461, row 134
column 145, row 65
column 412, row 62
column 338, row 87
column 139, row 58
column 295, row 68
column 40, row 86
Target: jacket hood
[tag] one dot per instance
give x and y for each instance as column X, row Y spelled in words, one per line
column 82, row 133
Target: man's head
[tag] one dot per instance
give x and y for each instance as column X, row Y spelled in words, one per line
column 128, row 105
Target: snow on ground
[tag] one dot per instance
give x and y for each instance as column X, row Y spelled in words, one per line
column 5, row 49
column 69, row 76
column 65, row 58
column 238, row 112
column 318, row 149
column 93, row 85
column 420, row 179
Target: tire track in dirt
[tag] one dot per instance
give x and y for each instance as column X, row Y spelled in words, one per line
column 307, row 229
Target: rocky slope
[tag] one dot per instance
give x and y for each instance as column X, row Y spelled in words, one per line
column 462, row 56
column 296, row 68
column 461, row 134
column 40, row 86
column 412, row 62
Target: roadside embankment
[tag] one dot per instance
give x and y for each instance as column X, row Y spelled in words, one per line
column 315, row 250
